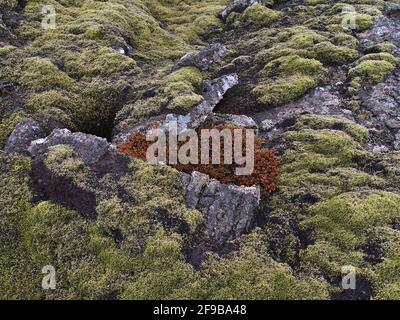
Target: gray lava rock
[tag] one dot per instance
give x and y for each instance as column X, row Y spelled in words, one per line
column 237, row 6
column 228, row 209
column 205, row 58
column 22, row 136
column 90, row 148
column 380, row 149
column 383, row 100
column 99, row 156
column 392, row 8
column 385, row 28
column 6, row 87
column 237, row 120
column 320, row 101
column 96, row 152
column 267, row 125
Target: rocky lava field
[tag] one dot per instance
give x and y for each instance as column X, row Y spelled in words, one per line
column 318, row 80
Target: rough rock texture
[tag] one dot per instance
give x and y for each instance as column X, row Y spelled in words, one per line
column 306, row 80
column 385, row 28
column 97, row 154
column 89, row 147
column 22, row 136
column 238, row 6
column 228, row 209
column 234, row 119
column 213, row 93
column 5, row 87
column 383, row 100
column 205, row 58
column 320, row 101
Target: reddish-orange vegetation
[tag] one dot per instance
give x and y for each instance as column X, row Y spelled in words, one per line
column 266, row 164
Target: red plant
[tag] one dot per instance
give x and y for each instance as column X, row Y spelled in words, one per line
column 266, row 164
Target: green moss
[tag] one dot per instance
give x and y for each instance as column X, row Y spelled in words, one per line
column 52, row 99
column 38, row 74
column 353, row 20
column 7, row 126
column 383, row 47
column 166, row 275
column 389, row 292
column 38, row 238
column 258, row 14
column 383, row 56
column 363, row 22
column 372, row 71
column 62, row 161
column 251, row 276
column 386, row 277
column 390, row 162
column 160, row 187
column 185, row 102
column 328, row 53
column 326, row 142
column 345, row 219
column 191, row 75
column 346, row 40
column 293, row 64
column 315, row 122
column 6, row 50
column 283, row 90
column 101, row 62
column 199, row 18
column 311, row 161
column 59, row 237
column 19, row 278
column 317, row 179
column 327, row 258
column 139, row 111
column 301, row 38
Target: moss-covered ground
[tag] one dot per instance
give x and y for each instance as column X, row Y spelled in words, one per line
column 108, row 65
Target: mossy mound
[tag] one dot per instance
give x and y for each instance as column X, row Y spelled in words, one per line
column 259, row 15
column 372, row 71
column 295, row 62
column 283, row 90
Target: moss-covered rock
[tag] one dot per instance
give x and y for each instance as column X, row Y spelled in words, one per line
column 258, row 14
column 166, row 275
column 343, row 220
column 253, row 275
column 283, row 90
column 315, row 122
column 372, row 71
column 292, row 64
column 383, row 47
column 330, row 54
column 382, row 56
